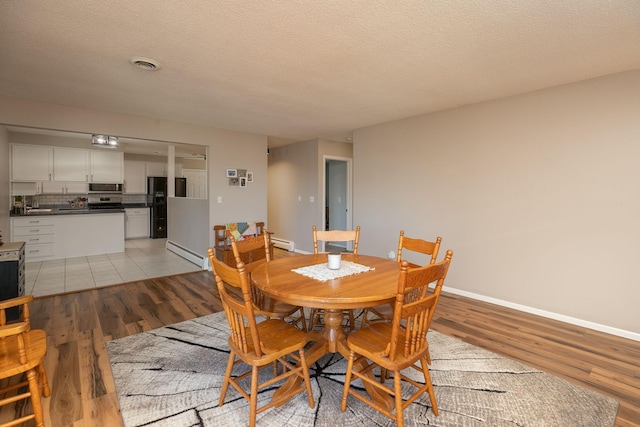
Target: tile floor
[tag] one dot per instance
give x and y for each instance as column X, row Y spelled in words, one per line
column 142, row 258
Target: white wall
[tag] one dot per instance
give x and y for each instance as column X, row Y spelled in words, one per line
column 537, row 195
column 293, row 173
column 296, row 170
column 227, row 149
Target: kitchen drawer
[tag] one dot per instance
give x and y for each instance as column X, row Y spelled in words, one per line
column 22, row 233
column 134, row 211
column 29, row 222
column 34, row 251
column 37, row 238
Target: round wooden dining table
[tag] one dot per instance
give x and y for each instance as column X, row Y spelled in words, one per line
column 377, row 286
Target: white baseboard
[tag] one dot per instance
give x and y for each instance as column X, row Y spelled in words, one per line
column 185, row 253
column 548, row 314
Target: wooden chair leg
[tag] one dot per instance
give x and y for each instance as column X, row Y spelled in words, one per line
column 303, row 320
column 307, row 379
column 352, row 321
column 34, row 389
column 44, row 383
column 347, row 383
column 315, row 314
column 253, row 403
column 227, row 378
column 397, row 386
column 365, row 313
column 427, row 381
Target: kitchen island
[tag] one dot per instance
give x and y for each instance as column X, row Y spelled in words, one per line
column 56, row 233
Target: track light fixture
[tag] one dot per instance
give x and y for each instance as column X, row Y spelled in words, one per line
column 104, row 141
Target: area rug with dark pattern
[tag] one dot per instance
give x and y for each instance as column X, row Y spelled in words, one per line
column 171, row 376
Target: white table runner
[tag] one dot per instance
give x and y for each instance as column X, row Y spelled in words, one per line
column 322, row 273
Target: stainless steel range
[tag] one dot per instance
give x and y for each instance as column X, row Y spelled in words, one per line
column 105, row 202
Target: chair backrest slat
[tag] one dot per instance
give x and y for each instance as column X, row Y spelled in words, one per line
column 336, row 236
column 415, row 306
column 240, row 313
column 252, row 251
column 419, row 246
column 243, row 251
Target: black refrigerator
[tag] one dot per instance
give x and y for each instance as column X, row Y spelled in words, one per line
column 157, row 199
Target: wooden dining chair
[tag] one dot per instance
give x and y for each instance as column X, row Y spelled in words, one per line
column 398, row 345
column 253, row 252
column 420, row 248
column 258, row 344
column 22, row 352
column 325, row 236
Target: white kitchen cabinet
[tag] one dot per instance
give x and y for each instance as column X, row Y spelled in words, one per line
column 70, row 164
column 52, row 187
column 88, row 234
column 107, row 166
column 157, row 168
column 31, row 163
column 160, row 169
column 57, row 187
column 136, row 223
column 76, row 187
column 38, row 234
column 135, row 177
column 69, row 236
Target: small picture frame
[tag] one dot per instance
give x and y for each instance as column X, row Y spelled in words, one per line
column 232, row 173
column 249, row 176
column 243, row 181
column 242, row 173
column 234, row 181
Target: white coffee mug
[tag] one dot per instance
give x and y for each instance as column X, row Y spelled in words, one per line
column 334, row 262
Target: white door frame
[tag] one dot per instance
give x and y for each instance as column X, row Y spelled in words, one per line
column 349, row 185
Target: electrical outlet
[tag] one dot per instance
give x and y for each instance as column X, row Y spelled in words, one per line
column 311, row 199
column 391, row 255
column 219, row 199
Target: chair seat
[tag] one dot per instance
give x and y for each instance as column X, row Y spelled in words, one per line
column 372, row 342
column 277, row 339
column 271, row 307
column 382, row 312
column 35, row 345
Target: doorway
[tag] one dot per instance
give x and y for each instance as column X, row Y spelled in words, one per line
column 336, row 214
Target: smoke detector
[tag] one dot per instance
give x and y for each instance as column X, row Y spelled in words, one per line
column 145, row 63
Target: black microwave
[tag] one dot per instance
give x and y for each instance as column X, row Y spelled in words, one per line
column 95, row 187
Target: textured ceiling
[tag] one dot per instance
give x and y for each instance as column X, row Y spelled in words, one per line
column 302, row 69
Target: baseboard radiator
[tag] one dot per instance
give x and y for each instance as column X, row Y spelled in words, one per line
column 283, row 244
column 187, row 254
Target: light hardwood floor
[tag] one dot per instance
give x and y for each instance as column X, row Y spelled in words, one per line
column 78, row 325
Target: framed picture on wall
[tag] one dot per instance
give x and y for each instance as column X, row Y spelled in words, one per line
column 249, row 176
column 232, row 173
column 243, row 181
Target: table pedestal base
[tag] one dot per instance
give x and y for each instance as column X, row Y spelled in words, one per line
column 332, row 340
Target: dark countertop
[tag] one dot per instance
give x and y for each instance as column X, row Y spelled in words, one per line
column 135, row 205
column 66, row 211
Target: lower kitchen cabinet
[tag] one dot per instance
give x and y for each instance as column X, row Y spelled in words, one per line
column 136, row 223
column 69, row 236
column 12, row 279
column 86, row 235
column 39, row 235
